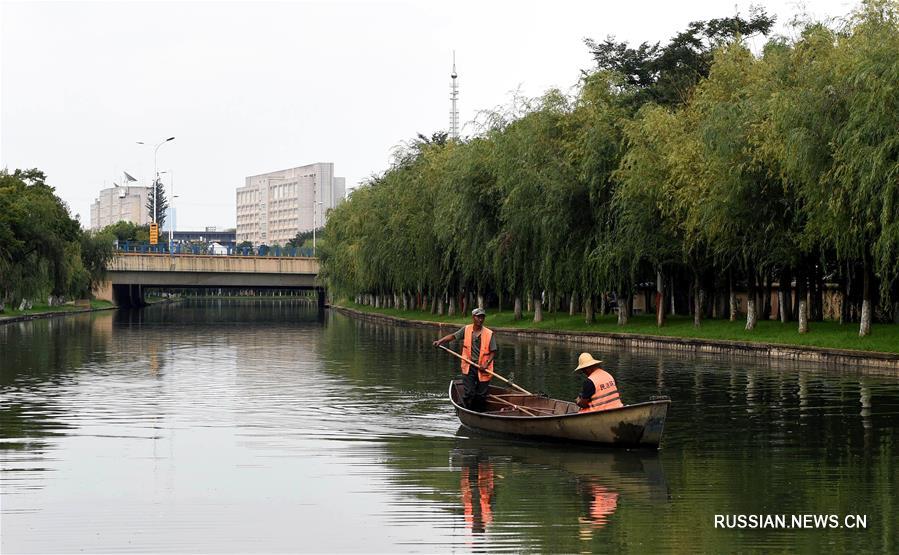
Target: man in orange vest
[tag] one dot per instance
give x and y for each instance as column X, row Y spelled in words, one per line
column 474, row 336
column 599, row 391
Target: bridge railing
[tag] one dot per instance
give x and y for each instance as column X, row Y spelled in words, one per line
column 163, row 248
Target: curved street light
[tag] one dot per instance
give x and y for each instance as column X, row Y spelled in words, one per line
column 155, row 170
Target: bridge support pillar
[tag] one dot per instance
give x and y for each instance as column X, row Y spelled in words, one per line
column 128, row 295
column 322, row 298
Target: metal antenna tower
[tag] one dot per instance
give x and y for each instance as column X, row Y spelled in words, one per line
column 454, row 97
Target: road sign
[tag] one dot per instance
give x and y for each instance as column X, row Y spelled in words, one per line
column 154, row 233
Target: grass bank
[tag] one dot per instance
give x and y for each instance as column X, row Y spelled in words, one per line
column 884, row 338
column 44, row 309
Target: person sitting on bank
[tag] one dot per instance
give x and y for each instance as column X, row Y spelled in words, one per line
column 599, row 391
column 474, row 336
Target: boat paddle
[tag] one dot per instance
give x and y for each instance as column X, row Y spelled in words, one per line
column 457, row 355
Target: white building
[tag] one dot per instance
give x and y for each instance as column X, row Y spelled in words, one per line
column 120, row 203
column 273, row 207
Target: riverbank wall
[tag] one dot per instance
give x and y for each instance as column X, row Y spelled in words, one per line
column 58, row 313
column 50, row 314
column 870, row 362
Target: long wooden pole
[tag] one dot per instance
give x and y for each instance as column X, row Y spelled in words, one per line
column 520, row 407
column 457, row 355
column 503, row 401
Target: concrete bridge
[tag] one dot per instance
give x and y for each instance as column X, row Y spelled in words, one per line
column 129, row 274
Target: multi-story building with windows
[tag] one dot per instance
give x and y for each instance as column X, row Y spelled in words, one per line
column 120, row 203
column 273, row 207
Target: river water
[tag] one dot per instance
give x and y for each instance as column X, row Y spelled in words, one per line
column 263, row 426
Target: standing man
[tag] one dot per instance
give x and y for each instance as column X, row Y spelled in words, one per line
column 599, row 391
column 478, row 344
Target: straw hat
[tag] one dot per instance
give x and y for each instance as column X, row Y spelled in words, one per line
column 586, row 361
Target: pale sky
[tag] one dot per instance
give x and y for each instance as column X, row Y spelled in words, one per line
column 253, row 87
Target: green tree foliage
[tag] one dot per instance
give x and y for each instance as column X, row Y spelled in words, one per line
column 127, row 231
column 157, row 202
column 42, row 248
column 301, row 238
column 698, row 165
column 667, row 74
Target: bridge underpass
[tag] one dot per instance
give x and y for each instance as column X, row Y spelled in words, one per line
column 129, row 275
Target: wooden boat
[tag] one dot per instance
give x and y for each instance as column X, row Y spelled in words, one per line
column 510, row 412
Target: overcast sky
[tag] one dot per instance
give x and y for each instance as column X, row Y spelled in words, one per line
column 253, row 87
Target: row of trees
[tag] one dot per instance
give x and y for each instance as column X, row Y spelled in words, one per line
column 694, row 163
column 43, row 251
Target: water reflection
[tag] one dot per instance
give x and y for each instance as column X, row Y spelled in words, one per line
column 476, row 483
column 243, row 418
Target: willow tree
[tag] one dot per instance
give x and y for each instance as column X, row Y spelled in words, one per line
column 644, row 201
column 39, row 240
column 528, row 168
column 597, row 145
column 467, row 215
column 865, row 173
column 739, row 204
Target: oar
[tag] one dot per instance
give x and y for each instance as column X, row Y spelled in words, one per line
column 519, row 407
column 457, row 355
column 503, row 401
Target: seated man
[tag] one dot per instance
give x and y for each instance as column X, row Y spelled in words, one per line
column 599, row 391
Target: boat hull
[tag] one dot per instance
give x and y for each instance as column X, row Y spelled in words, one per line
column 639, row 425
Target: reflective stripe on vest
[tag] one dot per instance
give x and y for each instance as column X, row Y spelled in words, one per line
column 606, row 395
column 486, row 335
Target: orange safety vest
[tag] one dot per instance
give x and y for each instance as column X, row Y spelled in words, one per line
column 606, row 395
column 486, row 335
column 475, row 520
column 602, row 505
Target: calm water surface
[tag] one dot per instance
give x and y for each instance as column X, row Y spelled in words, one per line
column 248, row 426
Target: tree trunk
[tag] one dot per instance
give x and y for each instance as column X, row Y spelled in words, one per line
column 802, row 300
column 844, row 297
column 434, row 303
column 530, row 303
column 803, row 315
column 864, row 327
column 819, row 294
column 572, row 304
column 785, row 295
column 624, row 312
column 731, row 296
column 603, row 304
column 660, row 300
column 517, row 313
column 538, row 310
column 481, row 301
column 589, row 317
column 671, row 289
column 766, row 299
column 751, row 314
column 440, row 305
column 697, row 301
column 451, row 308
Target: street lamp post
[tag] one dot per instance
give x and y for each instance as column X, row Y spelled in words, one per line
column 174, row 196
column 315, row 204
column 155, row 171
column 314, row 223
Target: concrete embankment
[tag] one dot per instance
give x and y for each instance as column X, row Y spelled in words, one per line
column 56, row 313
column 50, row 314
column 869, row 362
